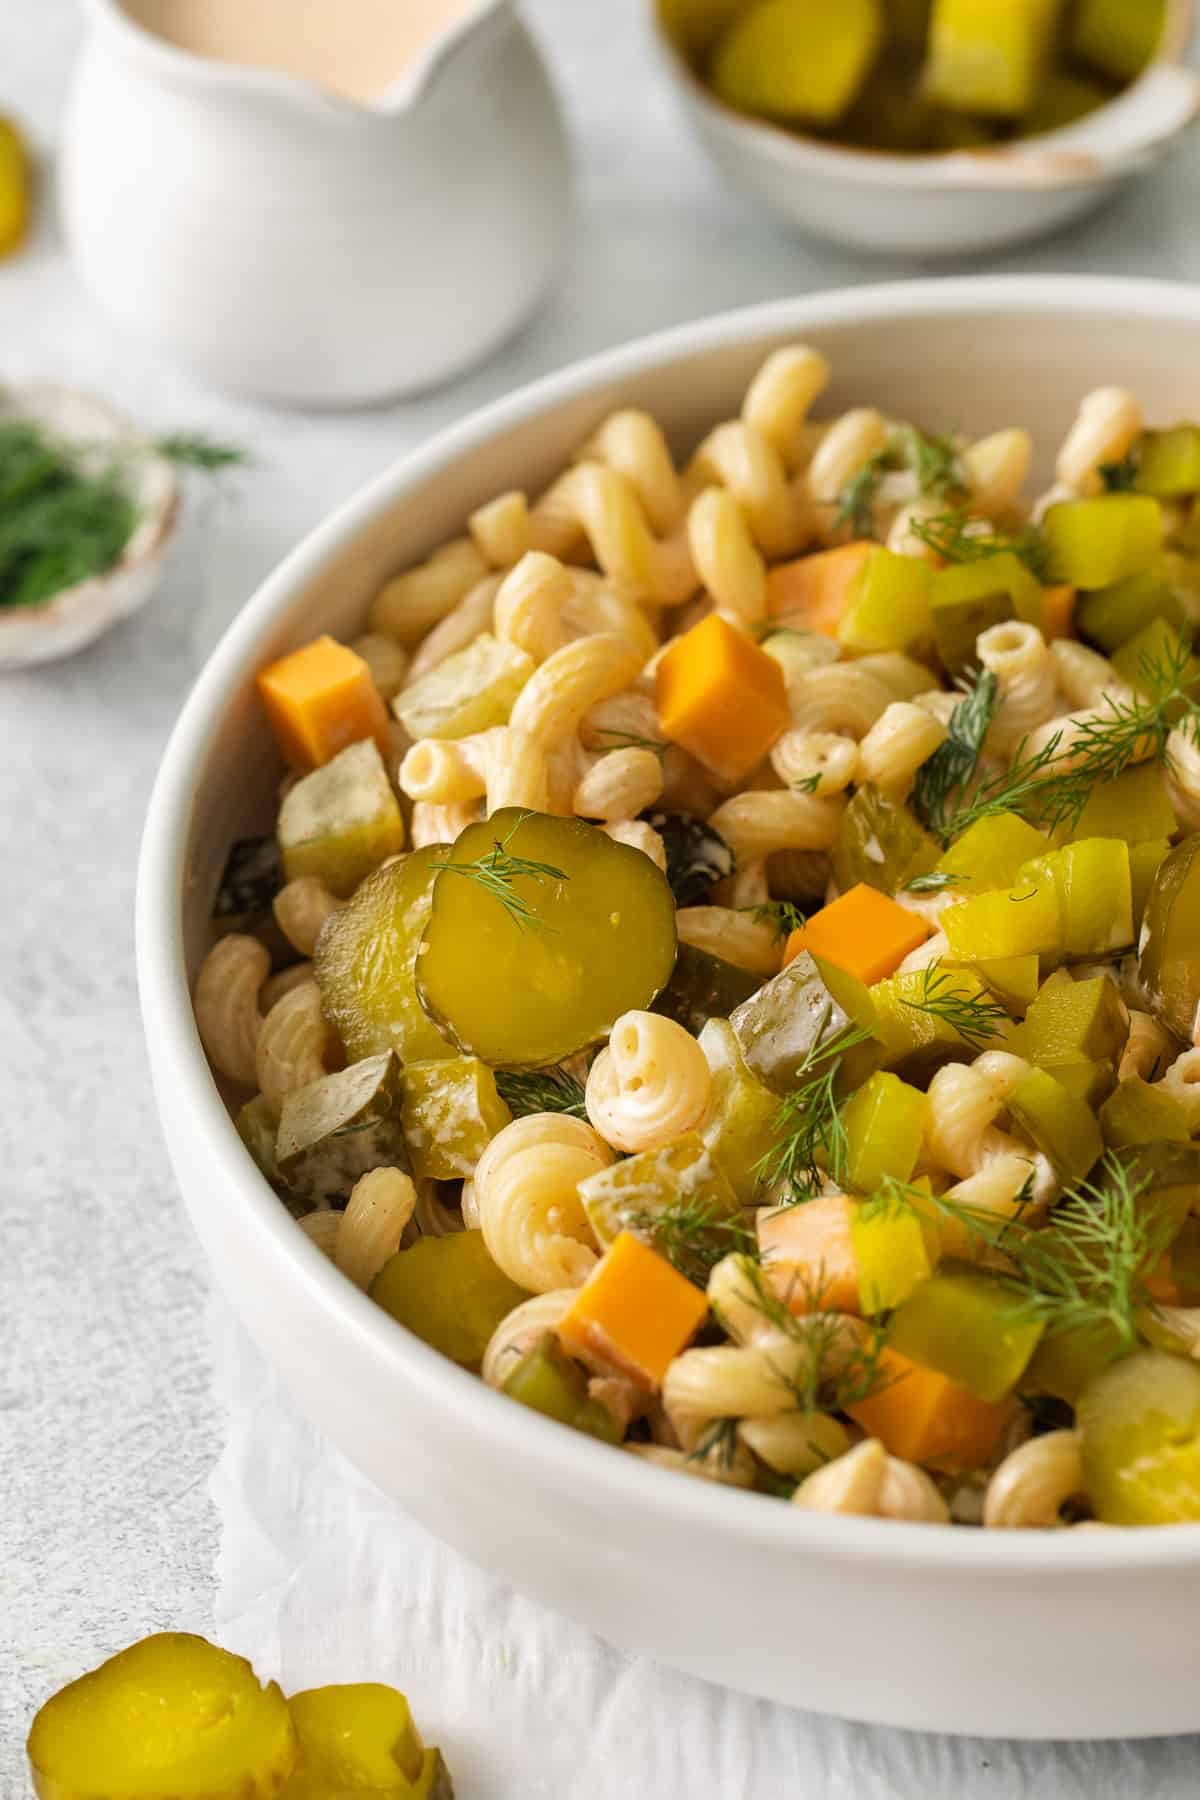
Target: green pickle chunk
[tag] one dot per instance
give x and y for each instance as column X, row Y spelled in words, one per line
column 741, row 1114
column 967, row 1325
column 1169, row 462
column 342, row 821
column 1154, row 660
column 1024, row 920
column 1145, row 860
column 1134, row 807
column 885, row 1125
column 969, row 598
column 1063, row 1128
column 365, row 962
column 1118, row 37
column 987, row 56
column 990, row 853
column 257, row 1127
column 592, row 937
column 548, row 1381
column 449, row 1293
column 806, row 1007
column 881, row 843
column 340, row 1127
column 1169, row 947
column 635, row 1193
column 703, row 987
column 779, row 57
column 450, row 1112
column 1094, row 543
column 1109, row 617
column 1073, row 1021
column 1140, row 1426
column 1138, row 1113
column 473, row 690
column 888, row 607
column 892, row 1253
column 917, row 1041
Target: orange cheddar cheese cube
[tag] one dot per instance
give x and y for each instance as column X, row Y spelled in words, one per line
column 924, row 1417
column 319, row 700
column 808, row 1255
column 863, row 932
column 635, row 1312
column 721, row 698
column 817, row 588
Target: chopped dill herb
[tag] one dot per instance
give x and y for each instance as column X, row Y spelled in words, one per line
column 943, row 778
column 541, row 1091
column 497, row 872
column 59, row 525
column 954, row 537
column 856, row 502
column 1121, row 477
column 717, row 1445
column 193, row 450
column 781, row 915
column 934, row 881
column 842, row 1366
column 810, row 1134
column 934, row 459
column 694, row 1235
column 629, row 740
column 976, row 1017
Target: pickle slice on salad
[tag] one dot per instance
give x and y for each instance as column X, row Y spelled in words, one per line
column 1140, row 1423
column 171, row 1716
column 543, row 931
column 449, row 1293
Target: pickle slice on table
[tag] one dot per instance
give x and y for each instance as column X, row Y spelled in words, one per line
column 353, row 1738
column 543, row 931
column 365, row 962
column 171, row 1716
column 449, row 1293
column 340, row 1127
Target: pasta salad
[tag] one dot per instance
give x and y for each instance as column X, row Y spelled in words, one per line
column 726, row 965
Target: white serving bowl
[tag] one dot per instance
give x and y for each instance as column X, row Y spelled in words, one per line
column 957, row 202
column 1086, row 1634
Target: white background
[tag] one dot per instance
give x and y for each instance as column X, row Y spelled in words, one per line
column 108, row 1425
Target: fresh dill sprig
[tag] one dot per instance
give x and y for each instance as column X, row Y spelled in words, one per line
column 842, row 1364
column 781, row 915
column 808, row 784
column 694, row 1235
column 810, row 1134
column 977, row 1018
column 933, row 882
column 193, row 450
column 1121, row 477
column 629, row 740
column 955, row 538
column 59, row 523
column 934, row 459
column 943, row 778
column 541, row 1091
column 856, row 502
column 497, row 872
column 717, row 1445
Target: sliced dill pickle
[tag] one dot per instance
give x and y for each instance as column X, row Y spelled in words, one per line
column 1138, row 1113
column 1062, row 1128
column 449, row 1293
column 740, row 1125
column 340, row 1127
column 791, row 1018
column 888, row 605
column 633, row 1194
column 967, row 1325
column 470, row 691
column 1140, row 1427
column 969, row 598
column 353, row 1737
column 1096, row 896
column 365, row 962
column 582, row 931
column 1169, row 946
column 1091, row 1082
column 885, row 1125
column 548, row 1381
column 450, row 1111
column 703, row 987
column 990, row 852
column 1013, row 980
column 171, row 1716
column 341, row 821
column 881, row 843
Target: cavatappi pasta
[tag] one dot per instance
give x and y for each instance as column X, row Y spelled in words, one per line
column 727, row 965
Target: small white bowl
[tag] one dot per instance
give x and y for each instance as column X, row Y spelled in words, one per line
column 959, row 201
column 75, row 616
column 1003, row 1633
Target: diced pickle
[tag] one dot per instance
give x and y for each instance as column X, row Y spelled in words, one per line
column 256, row 1126
column 1073, row 1021
column 892, row 1251
column 450, row 1111
column 1140, row 1428
column 987, row 56
column 1169, row 946
column 1024, row 920
column 885, row 1125
column 449, row 1293
column 1091, row 1082
column 703, row 987
column 1169, row 462
column 1061, row 99
column 967, row 1325
column 172, row 1715
column 635, row 1192
column 1135, row 807
column 1013, row 980
column 1138, row 1113
column 740, row 1124
column 353, row 1737
column 888, row 604
column 1110, row 616
column 365, row 962
column 1168, row 1175
column 1185, row 1263
column 1094, row 543
column 990, row 852
column 697, row 856
column 881, row 843
column 1062, row 1128
column 548, row 1381
column 1066, row 1361
column 599, row 940
column 341, row 821
column 340, row 1127
column 917, row 1041
column 694, row 26
column 1118, row 37
column 969, row 598
column 252, row 877
column 1154, row 661
column 470, row 691
column 807, row 1005
column 780, row 58
column 1096, row 896
column 1145, row 860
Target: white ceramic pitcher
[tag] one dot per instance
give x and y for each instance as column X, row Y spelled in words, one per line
column 293, row 244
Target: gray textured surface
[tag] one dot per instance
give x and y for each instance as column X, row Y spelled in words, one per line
column 107, row 1425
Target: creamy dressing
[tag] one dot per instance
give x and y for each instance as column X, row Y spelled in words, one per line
column 359, row 48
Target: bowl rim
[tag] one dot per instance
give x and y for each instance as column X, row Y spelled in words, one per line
column 554, row 1457
column 1046, row 164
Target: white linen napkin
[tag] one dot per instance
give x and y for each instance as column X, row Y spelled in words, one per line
column 323, row 1579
